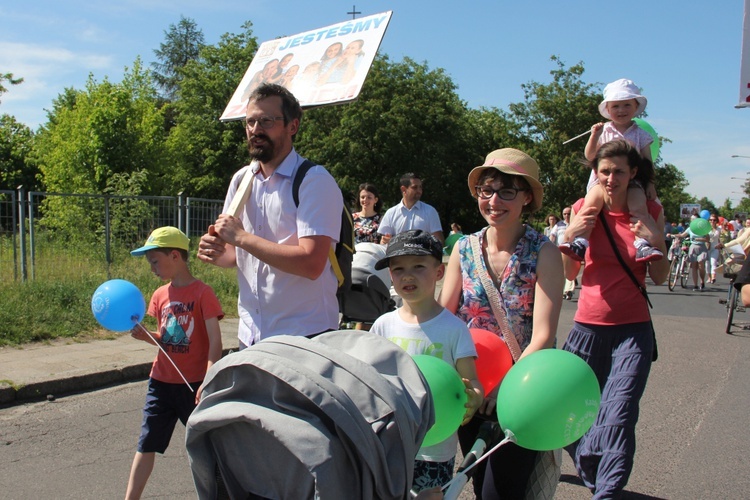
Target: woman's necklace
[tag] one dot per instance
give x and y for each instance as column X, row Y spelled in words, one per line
column 498, row 275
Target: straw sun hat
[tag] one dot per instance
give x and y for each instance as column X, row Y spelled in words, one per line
column 513, row 162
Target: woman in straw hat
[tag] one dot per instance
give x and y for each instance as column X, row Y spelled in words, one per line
column 508, row 279
column 612, row 330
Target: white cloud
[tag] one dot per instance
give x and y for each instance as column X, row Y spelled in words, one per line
column 46, row 71
column 703, row 150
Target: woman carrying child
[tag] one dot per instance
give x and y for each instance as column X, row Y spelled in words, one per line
column 510, row 268
column 612, row 330
column 622, row 102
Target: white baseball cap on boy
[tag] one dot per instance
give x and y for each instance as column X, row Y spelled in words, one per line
column 622, row 90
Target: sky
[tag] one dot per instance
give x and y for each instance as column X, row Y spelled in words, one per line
column 684, row 54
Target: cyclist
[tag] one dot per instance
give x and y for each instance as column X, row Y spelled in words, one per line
column 742, row 240
column 714, row 258
column 743, row 278
column 674, row 243
column 697, row 256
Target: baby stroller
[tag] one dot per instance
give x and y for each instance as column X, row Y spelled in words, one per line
column 338, row 416
column 370, row 295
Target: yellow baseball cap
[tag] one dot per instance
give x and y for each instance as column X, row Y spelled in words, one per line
column 164, row 237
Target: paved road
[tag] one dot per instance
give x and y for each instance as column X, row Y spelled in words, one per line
column 693, row 431
column 692, row 435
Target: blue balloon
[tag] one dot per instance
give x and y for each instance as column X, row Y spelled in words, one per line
column 705, row 214
column 118, row 305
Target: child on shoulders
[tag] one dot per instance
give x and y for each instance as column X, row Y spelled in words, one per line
column 622, row 102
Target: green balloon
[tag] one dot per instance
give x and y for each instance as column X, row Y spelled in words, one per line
column 700, row 226
column 448, row 397
column 648, row 128
column 548, row 400
column 450, row 241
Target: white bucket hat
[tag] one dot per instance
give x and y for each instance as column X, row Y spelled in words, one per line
column 622, row 90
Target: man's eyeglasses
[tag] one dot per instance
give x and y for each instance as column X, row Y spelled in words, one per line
column 711, row 220
column 266, row 122
column 507, row 194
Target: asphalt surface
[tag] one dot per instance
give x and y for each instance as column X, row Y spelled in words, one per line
column 692, row 433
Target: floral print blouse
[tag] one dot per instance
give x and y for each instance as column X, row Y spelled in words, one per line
column 366, row 228
column 516, row 287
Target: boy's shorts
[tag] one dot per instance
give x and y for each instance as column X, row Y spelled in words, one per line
column 165, row 403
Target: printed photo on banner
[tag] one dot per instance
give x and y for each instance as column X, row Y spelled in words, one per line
column 323, row 66
column 689, row 209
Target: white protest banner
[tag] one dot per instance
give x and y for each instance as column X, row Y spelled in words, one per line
column 323, row 66
column 745, row 60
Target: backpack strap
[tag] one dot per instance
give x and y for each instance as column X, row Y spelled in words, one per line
column 296, row 183
column 298, row 177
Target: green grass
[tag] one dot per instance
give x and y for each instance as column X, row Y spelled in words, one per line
column 57, row 303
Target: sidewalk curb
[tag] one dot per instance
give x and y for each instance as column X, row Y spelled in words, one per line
column 40, row 390
column 35, row 391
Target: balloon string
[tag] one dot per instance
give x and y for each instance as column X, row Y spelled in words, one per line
column 158, row 344
column 509, row 438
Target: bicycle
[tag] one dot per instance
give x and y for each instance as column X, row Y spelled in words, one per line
column 679, row 269
column 732, row 266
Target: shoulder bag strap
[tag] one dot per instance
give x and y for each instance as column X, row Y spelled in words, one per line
column 641, row 288
column 494, row 298
column 622, row 262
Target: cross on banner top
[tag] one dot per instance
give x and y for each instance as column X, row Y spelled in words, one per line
column 354, row 12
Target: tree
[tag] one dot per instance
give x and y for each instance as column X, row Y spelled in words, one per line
column 707, row 204
column 105, row 129
column 408, row 118
column 550, row 114
column 8, row 77
column 183, row 43
column 97, row 139
column 670, row 187
column 16, row 164
column 204, row 151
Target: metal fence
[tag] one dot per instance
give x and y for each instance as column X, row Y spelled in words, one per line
column 61, row 235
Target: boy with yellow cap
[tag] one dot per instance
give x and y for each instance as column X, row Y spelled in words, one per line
column 187, row 313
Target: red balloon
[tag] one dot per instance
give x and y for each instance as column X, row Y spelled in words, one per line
column 493, row 358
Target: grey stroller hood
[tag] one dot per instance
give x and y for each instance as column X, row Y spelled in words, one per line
column 338, row 416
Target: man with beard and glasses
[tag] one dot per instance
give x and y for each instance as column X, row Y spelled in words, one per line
column 287, row 286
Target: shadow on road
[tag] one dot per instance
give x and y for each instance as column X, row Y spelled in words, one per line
column 626, row 495
column 740, row 330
